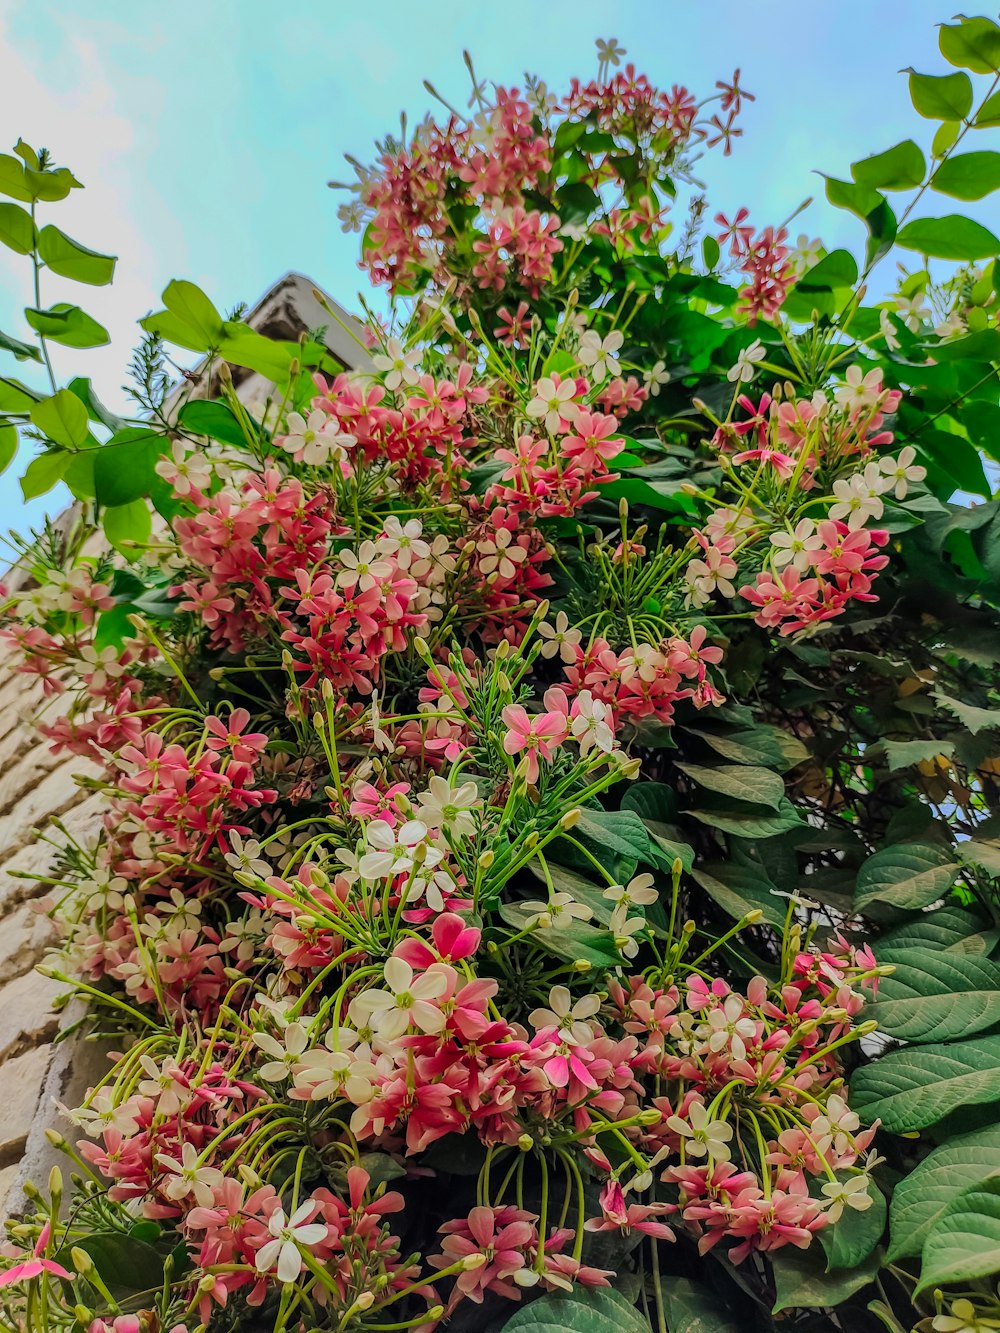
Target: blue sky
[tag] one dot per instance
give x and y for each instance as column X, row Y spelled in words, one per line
column 205, row 132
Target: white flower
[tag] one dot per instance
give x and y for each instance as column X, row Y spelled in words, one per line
column 363, row 568
column 568, row 1017
column 187, row 1177
column 500, row 554
column 902, row 470
column 851, row 1193
column 288, row 1235
column 911, row 310
column 859, row 497
column 246, row 856
column 702, row 1135
column 399, row 365
column 561, row 639
column 728, row 1030
column 805, row 254
column 624, row 928
column 335, row 1074
column 796, row 547
column 102, row 664
column 448, row 807
column 314, row 440
column 396, row 851
column 351, row 215
column 859, row 392
column 608, row 50
column 654, row 377
column 406, row 1002
column 591, row 725
column 403, row 541
column 284, row 1056
column 553, row 402
column 558, row 913
column 746, row 363
column 639, row 891
column 888, row 331
column 601, row 355
column 185, row 472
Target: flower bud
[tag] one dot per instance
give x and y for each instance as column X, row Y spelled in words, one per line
column 650, row 1116
column 473, row 1261
column 570, row 819
column 582, row 965
column 752, row 917
column 55, row 1185
column 526, row 1143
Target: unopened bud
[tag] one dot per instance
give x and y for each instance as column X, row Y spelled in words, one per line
column 294, row 367
column 570, row 819
column 866, row 1029
column 531, row 840
column 319, row 722
column 53, row 1135
column 81, row 1261
column 582, row 965
column 486, row 859
column 207, row 1284
column 225, row 374
column 678, row 866
column 55, row 1185
column 326, row 689
column 688, row 928
column 753, row 917
column 651, row 1116
column 420, row 646
column 364, row 1302
column 217, row 673
column 686, row 488
column 473, row 1261
column 526, row 1143
column 435, row 1313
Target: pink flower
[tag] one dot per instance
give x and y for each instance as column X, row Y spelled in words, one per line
column 539, row 734
column 617, row 1216
column 35, row 1266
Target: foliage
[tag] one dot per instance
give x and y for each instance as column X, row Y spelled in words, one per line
column 549, row 869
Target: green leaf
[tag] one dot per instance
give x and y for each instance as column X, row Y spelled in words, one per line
column 935, row 996
column 710, row 252
column 578, row 942
column 67, row 324
column 16, row 228
column 128, row 527
column 972, row 43
column 837, row 269
column 216, row 420
column 871, row 207
column 923, row 1194
column 244, row 346
column 801, row 1280
column 968, row 175
column 988, row 117
column 50, row 186
column 952, row 927
column 941, row 96
column 964, row 1243
column 899, row 168
column 584, row 1310
column 951, row 237
column 96, row 410
column 693, row 1308
column 8, row 445
column 62, row 418
column 70, row 259
column 12, row 180
column 739, row 889
column 854, row 1235
column 125, row 467
column 23, row 351
column 15, row 396
column 771, row 746
column 124, row 1262
column 757, row 786
column 910, row 875
column 904, row 754
column 190, row 305
column 974, row 718
column 750, row 821
column 43, row 472
column 984, row 853
column 916, row 1087
column 620, row 832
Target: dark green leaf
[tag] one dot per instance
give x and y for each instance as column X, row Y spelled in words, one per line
column 125, row 1263
column 739, row 889
column 899, row 168
column 710, row 252
column 918, row 1086
column 989, row 113
column 935, row 996
column 750, row 821
column 941, row 96
column 583, row 1310
column 15, row 396
column 757, row 786
column 216, row 420
column 964, row 1242
column 70, row 259
column 968, row 175
column 193, row 308
column 909, row 875
column 67, row 324
column 771, row 746
column 802, row 1282
column 96, row 410
column 693, row 1308
column 854, row 1235
column 837, row 269
column 124, row 467
column 16, row 229
column 921, row 1197
column 951, row 237
column 871, row 207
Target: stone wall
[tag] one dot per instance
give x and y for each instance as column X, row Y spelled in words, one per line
column 37, row 788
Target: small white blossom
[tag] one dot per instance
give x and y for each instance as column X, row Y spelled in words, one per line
column 746, row 363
